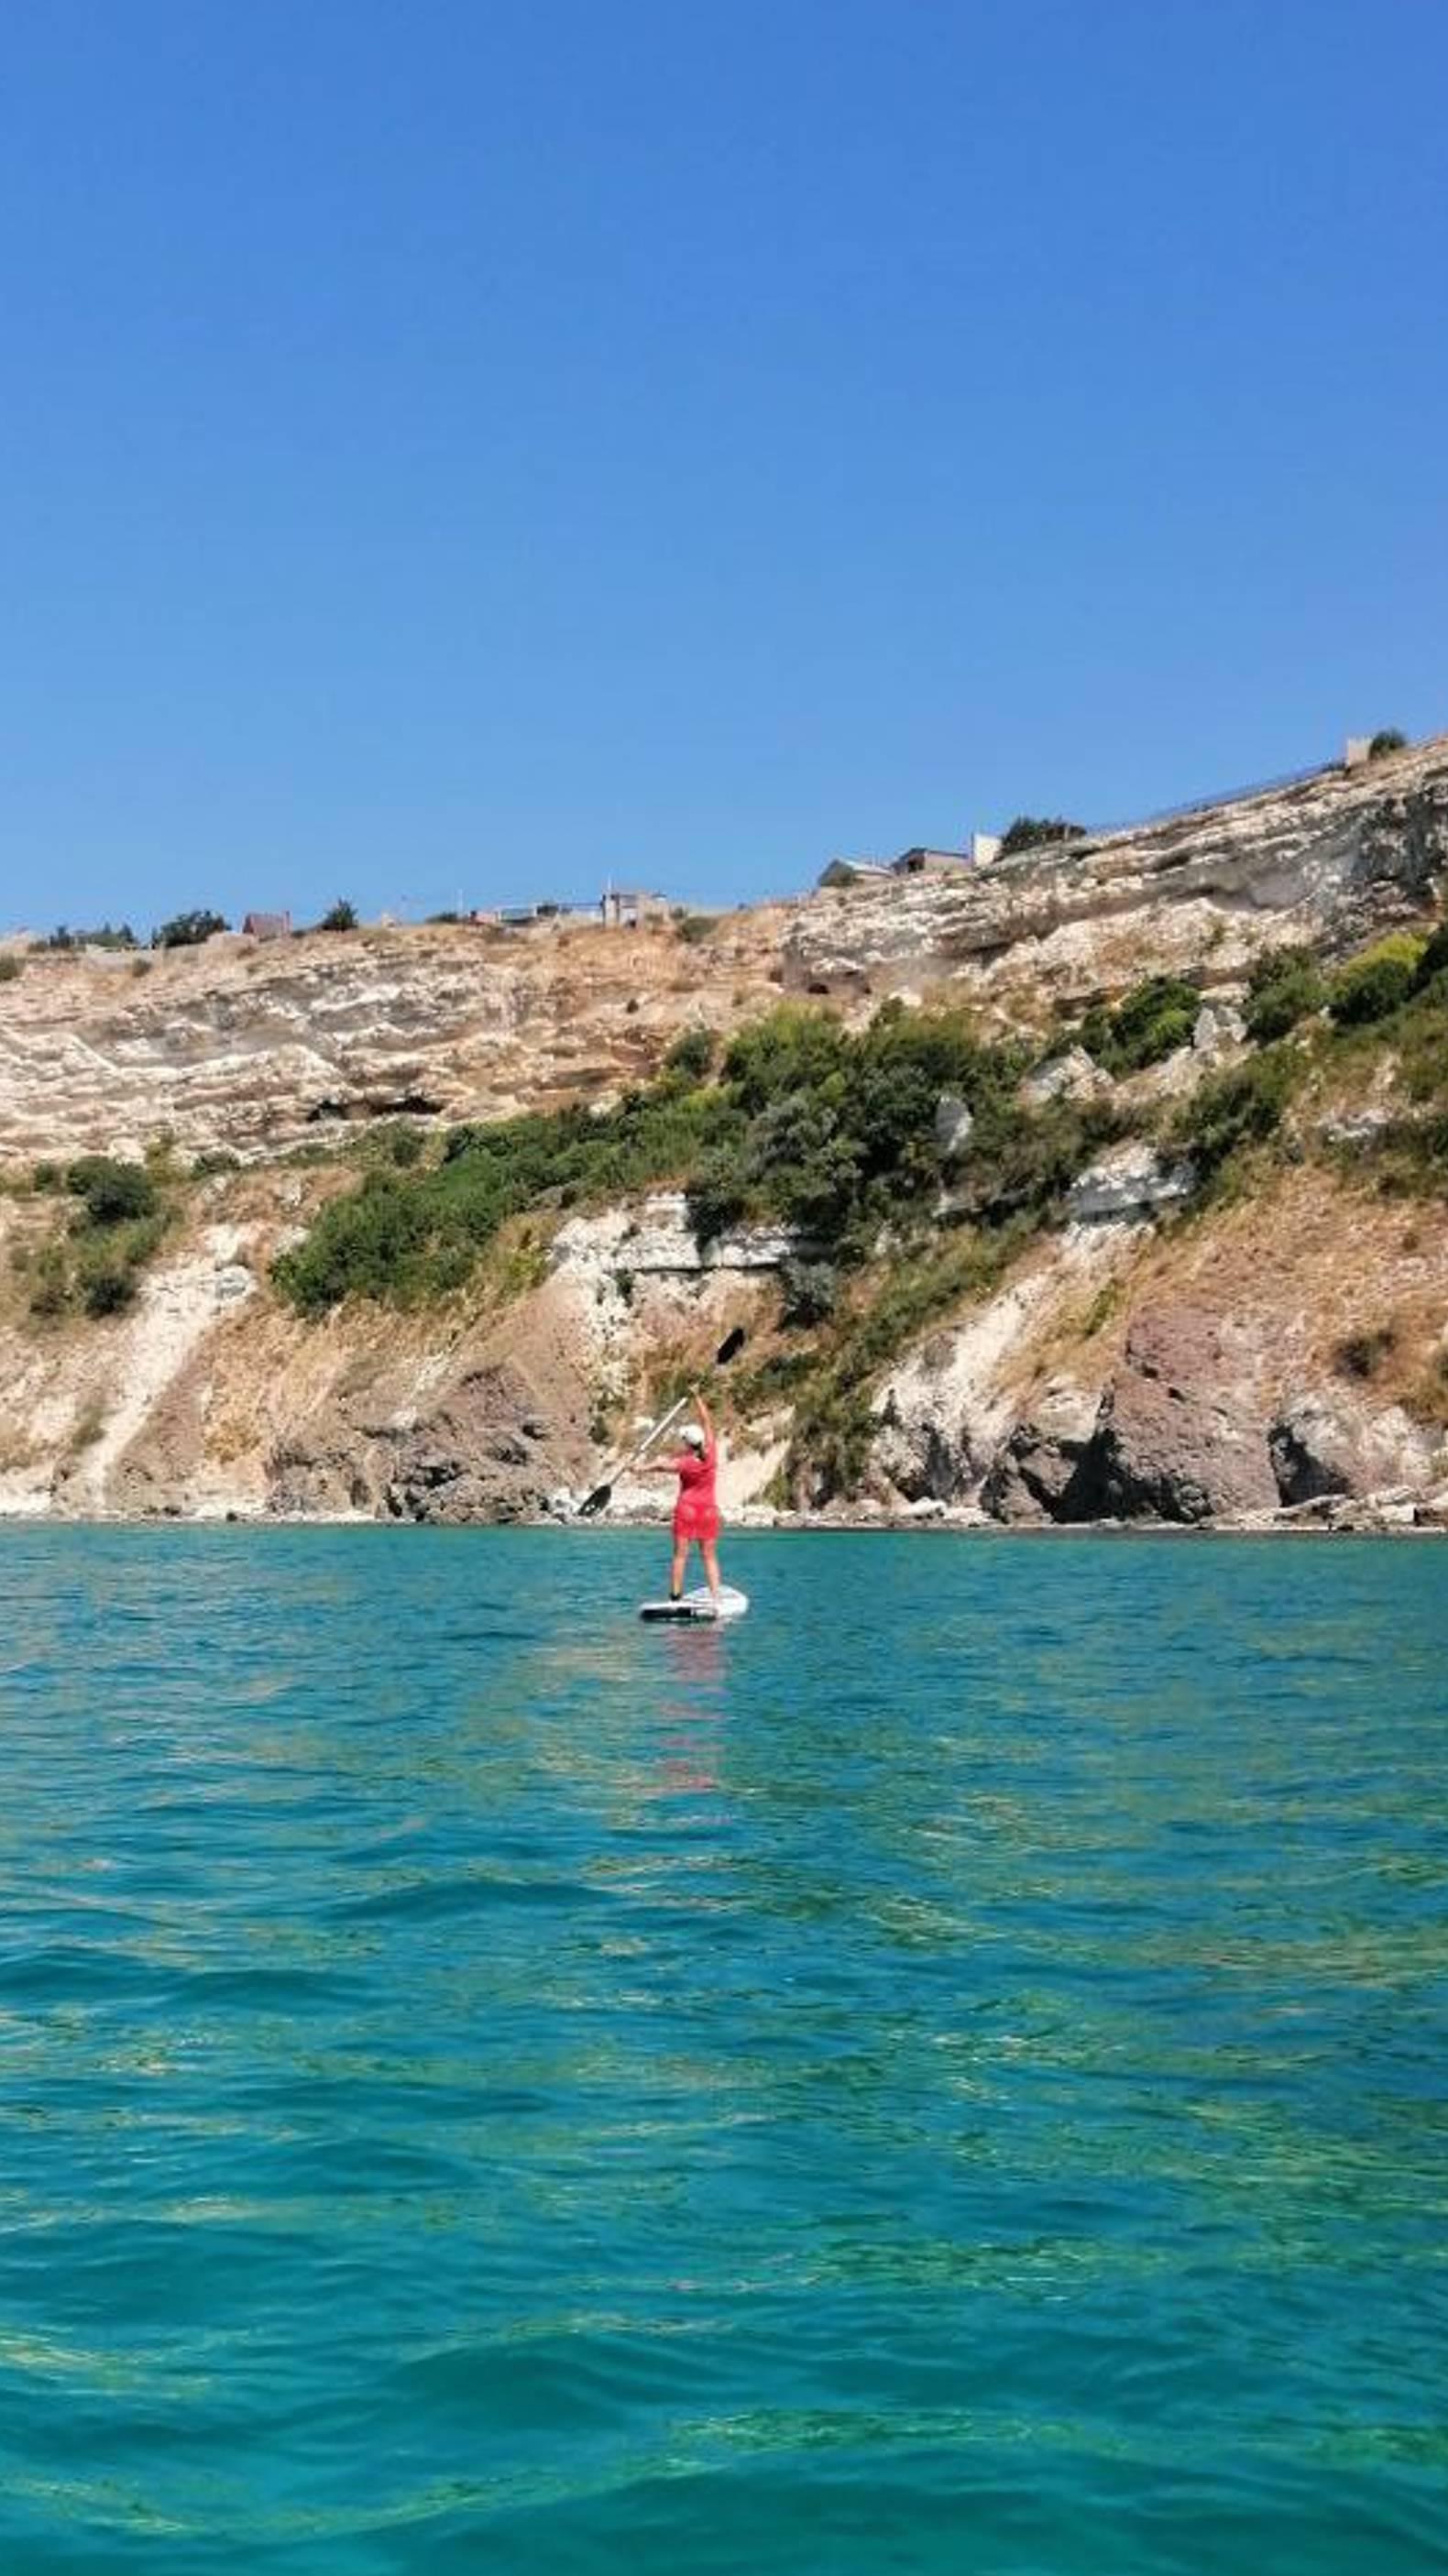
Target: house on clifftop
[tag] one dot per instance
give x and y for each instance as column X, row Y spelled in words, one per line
column 918, row 861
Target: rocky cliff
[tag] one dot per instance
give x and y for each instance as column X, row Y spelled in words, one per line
column 260, row 1045
column 1152, row 1355
column 1327, row 860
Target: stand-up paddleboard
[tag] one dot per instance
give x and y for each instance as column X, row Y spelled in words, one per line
column 698, row 1604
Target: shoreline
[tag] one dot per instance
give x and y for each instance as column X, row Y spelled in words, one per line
column 1336, row 1516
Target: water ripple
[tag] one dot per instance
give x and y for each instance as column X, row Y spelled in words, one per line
column 945, row 2074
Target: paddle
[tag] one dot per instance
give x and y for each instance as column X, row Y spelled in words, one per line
column 595, row 1501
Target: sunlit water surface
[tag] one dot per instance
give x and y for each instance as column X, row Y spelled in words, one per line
column 945, row 2075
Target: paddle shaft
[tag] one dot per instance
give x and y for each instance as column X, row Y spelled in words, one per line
column 595, row 1501
column 655, row 1433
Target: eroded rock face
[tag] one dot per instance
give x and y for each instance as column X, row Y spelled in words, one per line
column 944, row 1412
column 1332, row 859
column 484, row 1450
column 1032, row 1474
column 1072, row 1076
column 259, row 1049
column 1179, row 1436
column 1329, row 1443
column 1130, row 1182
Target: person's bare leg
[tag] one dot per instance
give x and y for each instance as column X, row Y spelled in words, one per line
column 676, row 1569
column 710, row 1555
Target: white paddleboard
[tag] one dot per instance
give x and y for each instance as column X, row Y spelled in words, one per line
column 698, row 1604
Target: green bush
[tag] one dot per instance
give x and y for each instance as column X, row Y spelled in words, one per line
column 1284, row 987
column 1241, row 1106
column 397, row 1143
column 1148, row 1023
column 1270, row 965
column 111, row 1192
column 809, row 1292
column 107, row 1287
column 691, row 1057
column 50, row 1282
column 213, row 1161
column 1434, row 957
column 1038, row 831
column 717, row 1198
column 807, row 1125
column 11, row 967
column 1377, row 983
column 694, row 927
column 97, row 1264
column 1279, row 1003
column 410, row 1237
column 187, row 929
column 102, row 936
column 342, row 916
column 1388, row 740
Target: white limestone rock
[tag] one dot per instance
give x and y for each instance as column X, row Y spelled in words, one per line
column 1072, row 1076
column 1218, row 1028
column 1130, row 1182
column 953, row 1123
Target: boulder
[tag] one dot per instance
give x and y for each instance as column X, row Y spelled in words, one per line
column 481, row 1454
column 1125, row 1185
column 1218, row 1026
column 1033, row 1471
column 1072, row 1076
column 483, row 1450
column 1178, row 1437
column 953, row 1123
column 1327, row 1443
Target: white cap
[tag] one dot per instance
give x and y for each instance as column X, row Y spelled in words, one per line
column 692, row 1433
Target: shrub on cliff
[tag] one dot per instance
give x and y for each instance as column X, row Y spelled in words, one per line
column 1372, row 986
column 409, row 1236
column 116, row 1227
column 1388, row 740
column 342, row 916
column 111, row 1192
column 1284, row 988
column 1148, row 1024
column 106, row 1286
column 1241, row 1106
column 828, row 1132
column 1434, row 957
column 103, row 935
column 187, row 930
column 691, row 1057
column 809, row 1292
column 1038, row 831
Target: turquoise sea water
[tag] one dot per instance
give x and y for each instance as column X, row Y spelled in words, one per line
column 946, row 2075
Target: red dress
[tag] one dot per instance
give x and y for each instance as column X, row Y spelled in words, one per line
column 696, row 1513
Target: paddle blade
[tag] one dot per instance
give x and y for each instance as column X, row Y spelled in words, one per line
column 727, row 1348
column 595, row 1501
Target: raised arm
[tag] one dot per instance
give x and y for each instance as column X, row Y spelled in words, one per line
column 706, row 1421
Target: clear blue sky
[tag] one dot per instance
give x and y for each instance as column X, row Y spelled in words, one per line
column 485, row 444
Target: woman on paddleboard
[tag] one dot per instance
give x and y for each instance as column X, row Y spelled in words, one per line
column 696, row 1510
